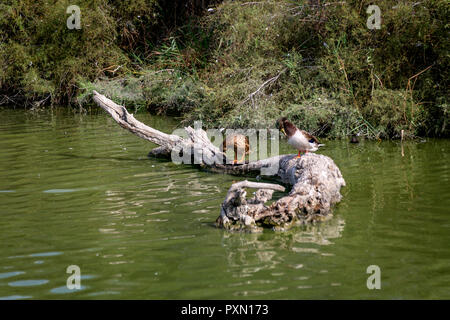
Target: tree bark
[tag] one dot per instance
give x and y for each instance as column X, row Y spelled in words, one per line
column 315, row 179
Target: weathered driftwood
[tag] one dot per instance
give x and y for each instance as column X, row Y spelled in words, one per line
column 316, row 182
column 315, row 179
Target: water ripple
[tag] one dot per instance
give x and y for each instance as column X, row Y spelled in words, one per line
column 27, row 283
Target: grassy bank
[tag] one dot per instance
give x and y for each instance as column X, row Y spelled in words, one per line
column 240, row 63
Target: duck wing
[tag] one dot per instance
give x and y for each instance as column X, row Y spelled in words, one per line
column 309, row 136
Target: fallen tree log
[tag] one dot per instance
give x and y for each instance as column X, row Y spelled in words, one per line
column 316, row 182
column 315, row 179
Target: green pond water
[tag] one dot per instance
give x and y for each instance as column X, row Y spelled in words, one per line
column 79, row 190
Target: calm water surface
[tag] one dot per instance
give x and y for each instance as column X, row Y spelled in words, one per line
column 79, row 190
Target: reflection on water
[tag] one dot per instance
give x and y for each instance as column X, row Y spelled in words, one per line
column 5, row 275
column 16, row 297
column 27, row 283
column 265, row 248
column 260, row 254
column 65, row 290
column 78, row 190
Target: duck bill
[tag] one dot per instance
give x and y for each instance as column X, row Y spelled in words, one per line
column 284, row 132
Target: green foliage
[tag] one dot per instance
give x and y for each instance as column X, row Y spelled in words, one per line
column 391, row 111
column 124, row 90
column 170, row 92
column 334, row 76
column 40, row 56
column 242, row 65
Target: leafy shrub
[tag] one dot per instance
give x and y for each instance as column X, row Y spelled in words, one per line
column 241, row 64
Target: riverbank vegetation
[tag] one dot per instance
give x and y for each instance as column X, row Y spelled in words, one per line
column 238, row 63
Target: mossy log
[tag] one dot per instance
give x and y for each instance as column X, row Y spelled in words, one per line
column 315, row 179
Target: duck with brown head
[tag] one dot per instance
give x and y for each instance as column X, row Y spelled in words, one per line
column 301, row 140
